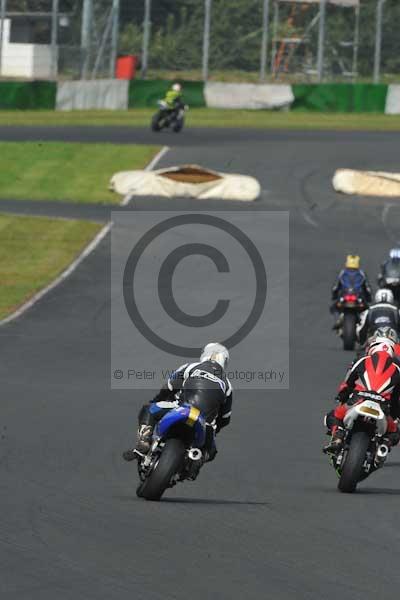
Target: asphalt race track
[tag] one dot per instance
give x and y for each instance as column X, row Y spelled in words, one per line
column 264, row 520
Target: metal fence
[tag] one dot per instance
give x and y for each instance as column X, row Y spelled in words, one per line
column 239, row 40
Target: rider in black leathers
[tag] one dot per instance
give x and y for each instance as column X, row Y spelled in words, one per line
column 202, row 384
column 383, row 313
column 389, row 275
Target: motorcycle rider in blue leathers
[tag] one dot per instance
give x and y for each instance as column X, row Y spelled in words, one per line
column 203, row 384
column 351, row 277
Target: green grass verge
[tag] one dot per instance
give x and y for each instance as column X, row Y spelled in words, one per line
column 33, row 251
column 66, row 171
column 209, row 117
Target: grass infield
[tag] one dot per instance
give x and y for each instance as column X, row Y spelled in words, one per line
column 209, row 117
column 66, row 171
column 35, row 250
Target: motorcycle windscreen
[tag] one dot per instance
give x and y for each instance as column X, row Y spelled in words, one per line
column 186, row 420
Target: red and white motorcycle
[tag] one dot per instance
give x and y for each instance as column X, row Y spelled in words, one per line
column 365, row 448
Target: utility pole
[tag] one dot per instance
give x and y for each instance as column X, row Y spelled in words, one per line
column 378, row 40
column 3, row 8
column 85, row 36
column 114, row 37
column 321, row 39
column 54, row 39
column 146, row 37
column 264, row 42
column 275, row 35
column 356, row 42
column 206, row 37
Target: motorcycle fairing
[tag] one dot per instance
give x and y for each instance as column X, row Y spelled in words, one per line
column 367, row 409
column 190, row 416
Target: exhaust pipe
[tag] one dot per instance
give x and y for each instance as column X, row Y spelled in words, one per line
column 195, row 454
column 381, row 455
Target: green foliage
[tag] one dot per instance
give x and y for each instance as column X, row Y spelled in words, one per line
column 177, row 34
column 130, row 40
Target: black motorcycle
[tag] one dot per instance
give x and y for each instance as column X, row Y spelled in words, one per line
column 349, row 305
column 169, row 118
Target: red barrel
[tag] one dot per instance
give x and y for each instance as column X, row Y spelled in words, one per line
column 125, row 67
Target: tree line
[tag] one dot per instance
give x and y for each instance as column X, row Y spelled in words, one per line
column 177, row 30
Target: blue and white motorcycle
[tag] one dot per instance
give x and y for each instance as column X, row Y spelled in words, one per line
column 177, row 452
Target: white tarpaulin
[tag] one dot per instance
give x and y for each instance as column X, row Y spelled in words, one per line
column 347, row 3
column 186, row 181
column 367, row 183
column 247, row 95
column 101, row 94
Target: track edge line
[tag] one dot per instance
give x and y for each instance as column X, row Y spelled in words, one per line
column 66, row 273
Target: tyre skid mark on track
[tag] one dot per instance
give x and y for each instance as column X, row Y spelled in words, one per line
column 308, row 201
column 386, row 223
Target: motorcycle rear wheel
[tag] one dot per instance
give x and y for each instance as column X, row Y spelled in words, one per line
column 170, row 463
column 352, row 467
column 349, row 330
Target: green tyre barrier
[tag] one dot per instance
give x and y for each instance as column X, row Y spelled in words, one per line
column 21, row 95
column 340, row 97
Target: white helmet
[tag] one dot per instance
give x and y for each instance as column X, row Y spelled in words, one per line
column 216, row 352
column 381, row 345
column 394, row 253
column 177, row 87
column 384, row 340
column 384, row 295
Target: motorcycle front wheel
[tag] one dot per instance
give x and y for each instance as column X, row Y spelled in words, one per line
column 170, row 463
column 178, row 125
column 352, row 467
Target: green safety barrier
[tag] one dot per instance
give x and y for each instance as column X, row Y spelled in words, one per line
column 340, row 97
column 27, row 95
column 145, row 93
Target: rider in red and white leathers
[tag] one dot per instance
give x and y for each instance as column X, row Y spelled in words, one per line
column 378, row 373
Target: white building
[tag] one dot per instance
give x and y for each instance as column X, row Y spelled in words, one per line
column 32, row 61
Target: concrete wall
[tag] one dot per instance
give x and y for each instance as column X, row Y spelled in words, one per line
column 393, row 100
column 100, row 94
column 247, row 95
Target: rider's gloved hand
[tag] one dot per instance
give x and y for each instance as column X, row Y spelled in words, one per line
column 341, row 397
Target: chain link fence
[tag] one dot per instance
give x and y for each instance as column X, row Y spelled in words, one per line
column 239, row 40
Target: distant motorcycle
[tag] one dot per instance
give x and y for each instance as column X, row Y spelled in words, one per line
column 166, row 117
column 349, row 305
column 389, row 278
column 176, row 453
column 364, row 450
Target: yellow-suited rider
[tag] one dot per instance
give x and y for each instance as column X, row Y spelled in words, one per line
column 173, row 98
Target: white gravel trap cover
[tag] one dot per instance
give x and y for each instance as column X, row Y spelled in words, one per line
column 367, row 183
column 189, row 181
